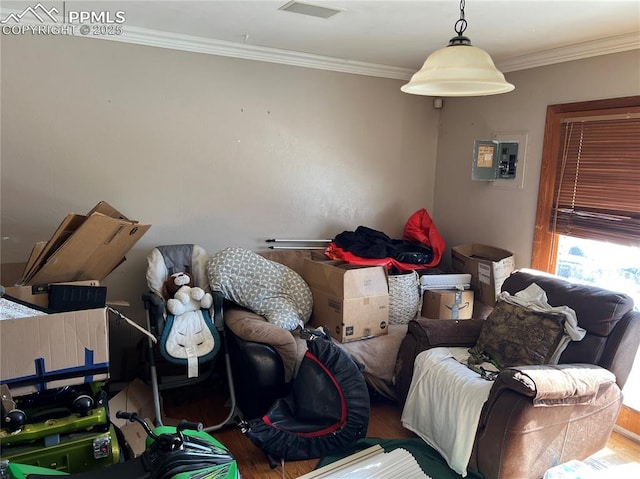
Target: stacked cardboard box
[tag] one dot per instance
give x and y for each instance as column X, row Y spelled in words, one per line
column 488, row 266
column 447, row 304
column 353, row 301
column 65, row 348
column 54, row 350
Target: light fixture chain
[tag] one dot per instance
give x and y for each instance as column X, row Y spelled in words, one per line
column 459, row 69
column 461, row 25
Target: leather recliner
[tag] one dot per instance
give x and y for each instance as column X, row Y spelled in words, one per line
column 514, row 438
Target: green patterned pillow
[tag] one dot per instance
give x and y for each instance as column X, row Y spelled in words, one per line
column 513, row 335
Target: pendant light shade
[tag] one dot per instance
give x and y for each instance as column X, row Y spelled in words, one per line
column 458, row 69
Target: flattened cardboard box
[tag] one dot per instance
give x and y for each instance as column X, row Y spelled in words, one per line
column 55, row 350
column 10, row 273
column 84, row 247
column 488, row 266
column 135, row 397
column 353, row 301
column 441, row 304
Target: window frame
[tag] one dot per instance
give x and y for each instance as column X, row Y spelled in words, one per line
column 545, row 245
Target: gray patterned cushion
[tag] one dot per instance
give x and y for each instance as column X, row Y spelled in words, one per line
column 267, row 288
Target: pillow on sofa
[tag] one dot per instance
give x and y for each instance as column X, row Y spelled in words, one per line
column 267, row 288
column 513, row 335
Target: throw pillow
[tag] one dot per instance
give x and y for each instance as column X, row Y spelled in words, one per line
column 513, row 335
column 267, row 288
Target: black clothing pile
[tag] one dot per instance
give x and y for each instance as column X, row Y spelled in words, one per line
column 369, row 243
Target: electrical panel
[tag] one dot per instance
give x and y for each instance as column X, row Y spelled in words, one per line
column 494, row 160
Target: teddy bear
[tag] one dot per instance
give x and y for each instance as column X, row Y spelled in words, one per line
column 183, row 296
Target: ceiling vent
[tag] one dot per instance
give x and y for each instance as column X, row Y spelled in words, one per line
column 310, row 9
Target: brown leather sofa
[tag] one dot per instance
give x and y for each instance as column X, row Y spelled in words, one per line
column 516, row 439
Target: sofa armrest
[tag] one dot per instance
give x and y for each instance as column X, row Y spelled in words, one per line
column 423, row 334
column 445, row 332
column 561, row 384
column 540, row 416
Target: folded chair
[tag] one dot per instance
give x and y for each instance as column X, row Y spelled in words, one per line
column 326, row 411
column 189, row 343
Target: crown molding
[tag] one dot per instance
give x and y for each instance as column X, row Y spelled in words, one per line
column 189, row 43
column 603, row 46
column 175, row 41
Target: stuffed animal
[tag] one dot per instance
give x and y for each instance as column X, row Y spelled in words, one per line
column 176, row 281
column 183, row 296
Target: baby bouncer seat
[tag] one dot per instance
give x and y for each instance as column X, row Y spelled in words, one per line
column 188, row 339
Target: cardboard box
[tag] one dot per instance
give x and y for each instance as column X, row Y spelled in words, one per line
column 10, row 273
column 447, row 304
column 83, row 247
column 38, row 294
column 353, row 301
column 488, row 267
column 55, row 350
column 135, row 397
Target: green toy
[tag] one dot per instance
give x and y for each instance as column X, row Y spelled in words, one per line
column 181, row 452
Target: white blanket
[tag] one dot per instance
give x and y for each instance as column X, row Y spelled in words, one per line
column 12, row 310
column 444, row 403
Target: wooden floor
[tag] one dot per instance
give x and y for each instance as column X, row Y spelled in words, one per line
column 208, row 407
column 253, row 464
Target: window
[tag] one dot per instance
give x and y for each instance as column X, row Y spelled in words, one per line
column 589, row 199
column 600, row 262
column 609, row 265
column 588, row 181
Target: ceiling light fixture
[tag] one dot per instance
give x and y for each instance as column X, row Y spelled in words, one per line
column 459, row 69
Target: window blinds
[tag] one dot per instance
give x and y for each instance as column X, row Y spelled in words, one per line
column 597, row 187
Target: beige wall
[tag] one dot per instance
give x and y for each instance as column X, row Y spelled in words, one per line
column 469, row 211
column 222, row 152
column 206, row 149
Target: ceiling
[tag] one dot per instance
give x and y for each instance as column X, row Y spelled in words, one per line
column 381, row 38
